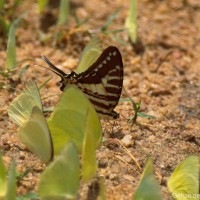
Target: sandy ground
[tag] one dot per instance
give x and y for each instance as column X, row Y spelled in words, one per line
column 165, row 76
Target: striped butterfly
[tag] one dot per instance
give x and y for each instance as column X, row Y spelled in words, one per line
column 101, row 82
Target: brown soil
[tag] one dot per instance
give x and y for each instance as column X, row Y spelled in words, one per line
column 165, row 76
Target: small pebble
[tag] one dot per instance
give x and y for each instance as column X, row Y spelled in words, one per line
column 127, row 140
column 22, row 155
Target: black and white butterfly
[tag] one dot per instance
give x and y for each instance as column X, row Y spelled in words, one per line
column 101, row 82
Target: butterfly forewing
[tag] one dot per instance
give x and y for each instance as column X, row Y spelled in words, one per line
column 108, row 60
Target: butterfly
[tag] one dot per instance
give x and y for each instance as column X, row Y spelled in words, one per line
column 27, row 112
column 184, row 181
column 101, row 82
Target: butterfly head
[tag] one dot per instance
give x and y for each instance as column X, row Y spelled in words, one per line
column 65, row 78
column 68, row 79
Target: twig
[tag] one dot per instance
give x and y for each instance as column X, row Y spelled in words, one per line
column 129, row 153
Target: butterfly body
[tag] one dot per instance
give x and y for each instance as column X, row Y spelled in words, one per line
column 102, row 82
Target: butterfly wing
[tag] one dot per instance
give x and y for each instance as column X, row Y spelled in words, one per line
column 184, row 181
column 36, row 136
column 102, row 82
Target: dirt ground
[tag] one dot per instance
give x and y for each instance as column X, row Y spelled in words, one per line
column 165, row 75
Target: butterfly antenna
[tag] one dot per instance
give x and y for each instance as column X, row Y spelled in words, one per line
column 53, row 67
column 37, row 65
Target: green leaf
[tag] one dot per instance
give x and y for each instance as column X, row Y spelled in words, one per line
column 60, row 180
column 23, row 70
column 135, row 107
column 148, row 188
column 4, row 26
column 78, row 21
column 116, row 38
column 143, row 115
column 21, row 107
column 45, row 82
column 11, row 62
column 102, row 188
column 184, row 181
column 110, row 19
column 2, row 2
column 11, row 186
column 69, row 120
column 131, row 22
column 5, row 74
column 90, row 143
column 63, row 12
column 42, row 4
column 36, row 136
column 28, row 196
column 20, row 176
column 89, row 55
column 3, row 181
column 7, row 185
column 17, row 3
